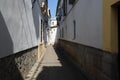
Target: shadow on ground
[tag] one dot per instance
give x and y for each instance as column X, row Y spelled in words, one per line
column 67, row 71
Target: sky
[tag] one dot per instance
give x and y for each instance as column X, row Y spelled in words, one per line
column 52, row 4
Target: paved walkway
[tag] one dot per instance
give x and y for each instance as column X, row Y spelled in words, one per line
column 56, row 67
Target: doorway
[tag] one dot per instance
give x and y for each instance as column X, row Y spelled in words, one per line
column 119, row 29
column 119, row 37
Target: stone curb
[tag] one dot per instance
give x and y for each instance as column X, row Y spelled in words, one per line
column 34, row 68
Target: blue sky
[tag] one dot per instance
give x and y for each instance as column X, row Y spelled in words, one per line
column 52, row 4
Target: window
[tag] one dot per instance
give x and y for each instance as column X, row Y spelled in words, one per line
column 33, row 2
column 74, row 26
column 52, row 23
column 65, row 7
column 41, row 30
column 62, row 32
column 66, row 29
column 72, row 1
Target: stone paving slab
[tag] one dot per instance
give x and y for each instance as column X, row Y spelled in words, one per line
column 54, row 66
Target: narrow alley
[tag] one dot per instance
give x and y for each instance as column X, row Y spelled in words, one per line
column 55, row 66
column 59, row 39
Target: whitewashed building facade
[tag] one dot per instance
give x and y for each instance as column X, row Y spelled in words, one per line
column 22, row 24
column 88, row 37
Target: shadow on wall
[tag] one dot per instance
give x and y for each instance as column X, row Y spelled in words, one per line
column 36, row 13
column 6, row 44
column 8, row 67
column 96, row 64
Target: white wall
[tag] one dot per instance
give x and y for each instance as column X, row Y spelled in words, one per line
column 17, row 29
column 53, row 35
column 88, row 17
column 53, row 21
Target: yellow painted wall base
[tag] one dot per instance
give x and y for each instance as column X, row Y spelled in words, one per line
column 41, row 50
